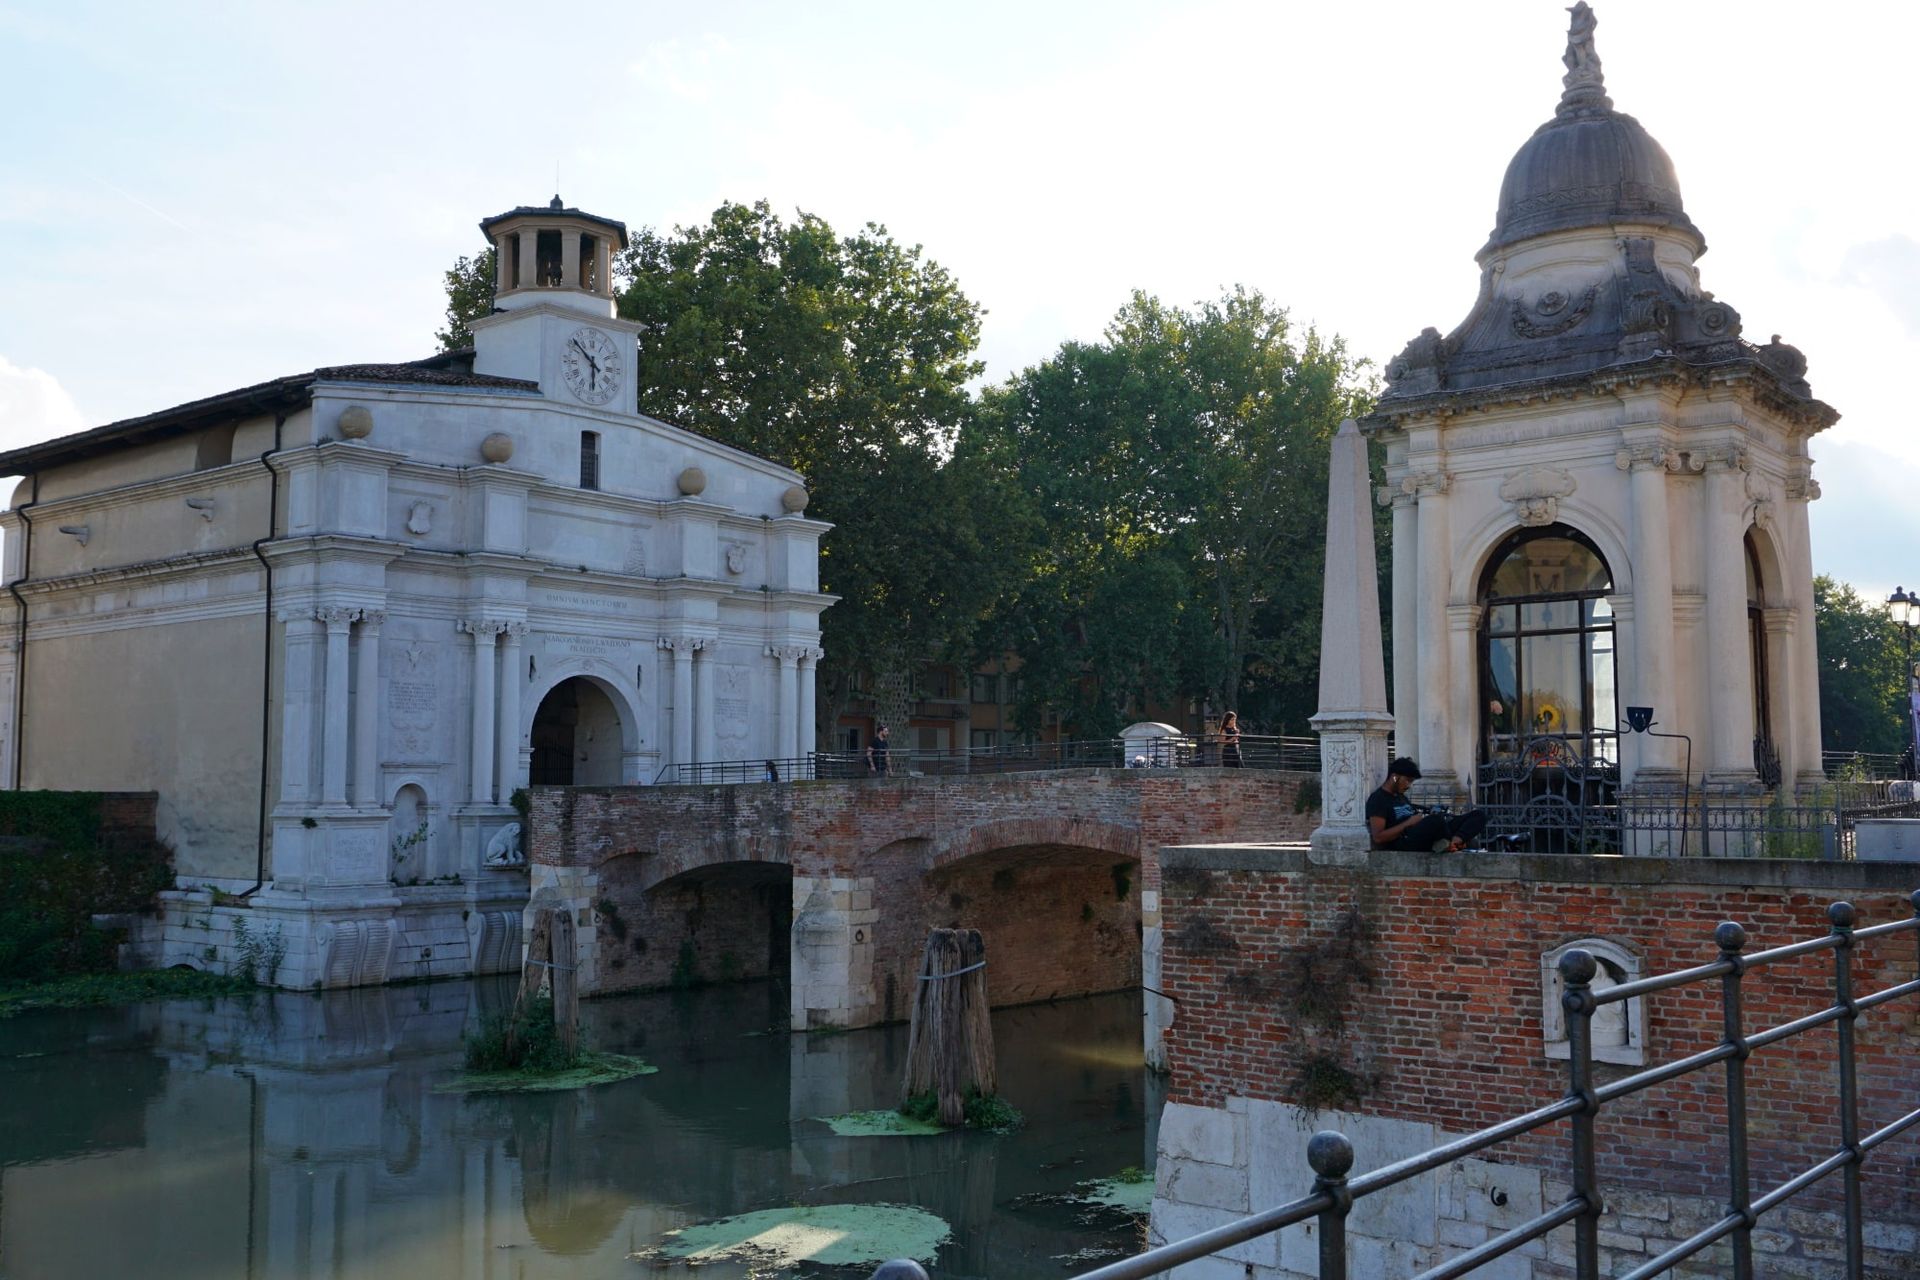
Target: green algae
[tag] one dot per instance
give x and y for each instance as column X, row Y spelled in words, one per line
column 592, row 1068
column 879, row 1124
column 827, row 1235
column 1130, row 1192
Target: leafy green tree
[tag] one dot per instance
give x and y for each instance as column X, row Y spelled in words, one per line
column 846, row 358
column 1862, row 673
column 1179, row 470
column 469, row 296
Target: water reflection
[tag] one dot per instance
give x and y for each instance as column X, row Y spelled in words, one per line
column 293, row 1135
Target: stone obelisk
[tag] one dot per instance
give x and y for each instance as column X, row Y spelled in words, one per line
column 1352, row 720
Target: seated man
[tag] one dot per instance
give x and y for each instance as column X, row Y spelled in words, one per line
column 1396, row 824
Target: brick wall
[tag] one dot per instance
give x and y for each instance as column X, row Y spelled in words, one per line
column 1447, row 1027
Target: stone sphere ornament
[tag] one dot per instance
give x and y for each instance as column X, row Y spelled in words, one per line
column 794, row 499
column 356, row 422
column 497, row 447
column 692, row 482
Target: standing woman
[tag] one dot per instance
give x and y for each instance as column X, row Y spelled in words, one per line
column 1230, row 740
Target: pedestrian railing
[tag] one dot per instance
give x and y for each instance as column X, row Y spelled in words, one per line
column 1183, row 751
column 1330, row 1155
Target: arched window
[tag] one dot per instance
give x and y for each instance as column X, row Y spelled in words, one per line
column 1547, row 647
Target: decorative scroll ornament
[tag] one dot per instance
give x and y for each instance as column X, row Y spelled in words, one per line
column 1647, row 457
column 1421, row 366
column 1535, row 494
column 1417, row 483
column 1802, row 488
column 1553, row 305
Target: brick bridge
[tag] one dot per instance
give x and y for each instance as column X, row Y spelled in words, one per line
column 832, row 886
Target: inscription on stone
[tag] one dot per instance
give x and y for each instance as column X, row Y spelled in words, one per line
column 583, row 601
column 357, row 858
column 730, row 702
column 413, row 698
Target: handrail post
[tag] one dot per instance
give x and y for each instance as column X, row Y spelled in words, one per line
column 1577, row 968
column 1841, row 914
column 1331, row 1155
column 1730, row 938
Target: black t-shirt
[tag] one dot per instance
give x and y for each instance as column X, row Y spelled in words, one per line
column 1384, row 804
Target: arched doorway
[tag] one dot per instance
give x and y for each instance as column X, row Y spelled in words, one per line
column 576, row 737
column 1547, row 648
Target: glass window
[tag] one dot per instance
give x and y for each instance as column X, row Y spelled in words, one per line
column 1547, row 651
column 589, row 459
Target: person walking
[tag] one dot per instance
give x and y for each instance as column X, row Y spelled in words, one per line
column 877, row 753
column 1397, row 823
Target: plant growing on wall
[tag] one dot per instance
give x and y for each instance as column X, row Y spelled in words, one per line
column 403, row 852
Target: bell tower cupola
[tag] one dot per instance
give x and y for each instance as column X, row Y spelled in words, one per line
column 555, row 255
column 555, row 320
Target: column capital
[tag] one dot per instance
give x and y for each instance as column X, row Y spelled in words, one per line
column 337, row 617
column 513, row 631
column 1390, row 495
column 1425, row 484
column 1722, row 459
column 372, row 619
column 1647, row 457
column 683, row 646
column 1779, row 620
column 1463, row 617
column 789, row 654
column 483, row 630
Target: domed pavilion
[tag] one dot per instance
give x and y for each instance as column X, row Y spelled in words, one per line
column 1599, row 490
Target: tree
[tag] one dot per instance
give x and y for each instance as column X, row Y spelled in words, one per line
column 1179, row 468
column 469, row 297
column 846, row 358
column 1862, row 673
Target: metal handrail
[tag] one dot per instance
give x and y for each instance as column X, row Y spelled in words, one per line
column 1330, row 1154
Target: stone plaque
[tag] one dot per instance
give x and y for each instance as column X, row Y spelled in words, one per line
column 582, row 601
column 731, row 687
column 356, row 857
column 413, row 698
column 613, row 648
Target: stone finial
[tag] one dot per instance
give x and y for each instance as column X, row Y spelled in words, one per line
column 497, row 447
column 1584, row 87
column 692, row 482
column 794, row 499
column 356, row 422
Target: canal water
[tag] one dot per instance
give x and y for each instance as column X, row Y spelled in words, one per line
column 309, row 1136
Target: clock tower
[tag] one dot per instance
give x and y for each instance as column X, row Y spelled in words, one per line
column 554, row 318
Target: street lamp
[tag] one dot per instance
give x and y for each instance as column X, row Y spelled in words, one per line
column 1904, row 609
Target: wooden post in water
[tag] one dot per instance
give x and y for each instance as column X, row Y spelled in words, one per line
column 950, row 1042
column 533, row 972
column 566, row 992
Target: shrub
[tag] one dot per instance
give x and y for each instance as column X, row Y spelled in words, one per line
column 536, row 1043
column 57, row 869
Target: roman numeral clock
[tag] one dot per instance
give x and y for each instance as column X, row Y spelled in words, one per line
column 591, row 365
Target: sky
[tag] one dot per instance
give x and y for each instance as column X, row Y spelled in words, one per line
column 196, row 197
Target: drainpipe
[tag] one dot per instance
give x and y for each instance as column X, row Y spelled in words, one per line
column 266, row 656
column 20, row 647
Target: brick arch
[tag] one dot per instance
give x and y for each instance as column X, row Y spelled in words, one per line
column 1015, row 833
column 660, row 867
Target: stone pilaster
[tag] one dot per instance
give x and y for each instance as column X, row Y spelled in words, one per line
column 1433, row 648
column 1729, row 655
column 682, row 649
column 1649, row 682
column 480, row 753
column 366, row 711
column 339, row 622
column 507, row 765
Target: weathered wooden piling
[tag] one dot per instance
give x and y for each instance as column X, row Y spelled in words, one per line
column 950, row 1041
column 550, row 959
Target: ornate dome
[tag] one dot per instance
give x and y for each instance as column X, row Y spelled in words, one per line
column 1589, row 166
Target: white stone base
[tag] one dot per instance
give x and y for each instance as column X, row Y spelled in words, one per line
column 1216, row 1164
column 831, row 983
column 343, row 938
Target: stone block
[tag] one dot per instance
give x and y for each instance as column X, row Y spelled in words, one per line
column 1890, row 1236
column 1499, row 1196
column 1173, row 1222
column 1208, row 1134
column 1278, row 1133
column 1638, row 1204
column 1214, row 1186
column 1210, row 1269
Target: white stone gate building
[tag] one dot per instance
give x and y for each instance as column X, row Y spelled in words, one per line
column 337, row 619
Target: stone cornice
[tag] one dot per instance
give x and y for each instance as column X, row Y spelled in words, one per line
column 161, row 569
column 1746, row 375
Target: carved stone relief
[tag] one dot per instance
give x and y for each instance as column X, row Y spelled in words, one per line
column 1535, row 494
column 413, row 698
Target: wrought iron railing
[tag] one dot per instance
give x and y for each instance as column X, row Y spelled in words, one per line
column 1330, row 1154
column 1181, row 751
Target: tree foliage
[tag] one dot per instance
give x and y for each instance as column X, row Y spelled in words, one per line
column 469, row 297
column 1175, row 478
column 1862, row 672
column 846, row 358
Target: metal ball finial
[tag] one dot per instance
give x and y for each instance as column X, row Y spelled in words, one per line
column 900, row 1269
column 1729, row 936
column 1330, row 1154
column 1578, row 967
column 1841, row 915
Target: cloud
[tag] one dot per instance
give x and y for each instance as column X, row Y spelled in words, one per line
column 34, row 406
column 1889, row 268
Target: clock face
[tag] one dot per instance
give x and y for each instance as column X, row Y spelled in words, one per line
column 592, row 365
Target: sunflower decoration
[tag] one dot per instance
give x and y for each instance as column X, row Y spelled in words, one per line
column 1547, row 718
